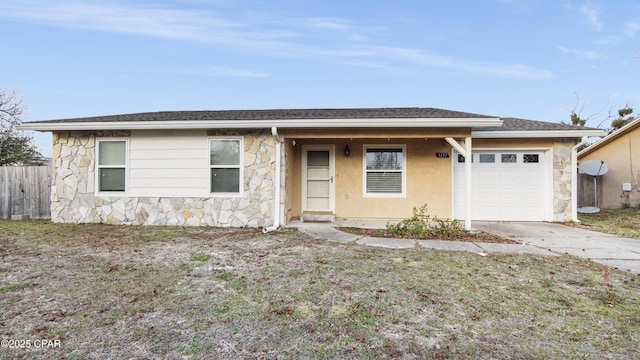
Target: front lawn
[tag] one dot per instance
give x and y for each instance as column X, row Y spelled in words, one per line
column 621, row 222
column 189, row 293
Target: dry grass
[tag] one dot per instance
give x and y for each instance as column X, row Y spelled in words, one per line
column 621, row 222
column 188, row 293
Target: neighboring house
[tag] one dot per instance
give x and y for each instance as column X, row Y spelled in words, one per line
column 620, row 150
column 264, row 168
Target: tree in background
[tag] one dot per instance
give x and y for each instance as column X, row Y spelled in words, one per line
column 625, row 115
column 576, row 119
column 576, row 116
column 16, row 147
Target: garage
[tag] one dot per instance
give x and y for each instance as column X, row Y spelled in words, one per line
column 507, row 185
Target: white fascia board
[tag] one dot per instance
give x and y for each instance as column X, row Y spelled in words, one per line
column 258, row 124
column 479, row 134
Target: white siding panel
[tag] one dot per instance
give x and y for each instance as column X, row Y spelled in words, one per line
column 176, row 139
column 184, row 163
column 169, row 163
column 146, row 174
column 193, row 184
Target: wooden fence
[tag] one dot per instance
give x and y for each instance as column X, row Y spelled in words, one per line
column 25, row 190
column 586, row 195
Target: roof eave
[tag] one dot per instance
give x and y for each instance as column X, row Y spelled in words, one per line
column 503, row 134
column 260, row 124
column 610, row 137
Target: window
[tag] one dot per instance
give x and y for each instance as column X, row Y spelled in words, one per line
column 462, row 159
column 226, row 160
column 487, row 158
column 531, row 158
column 384, row 171
column 112, row 165
column 509, row 158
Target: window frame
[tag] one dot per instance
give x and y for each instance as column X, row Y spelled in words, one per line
column 240, row 166
column 403, row 171
column 533, row 156
column 98, row 166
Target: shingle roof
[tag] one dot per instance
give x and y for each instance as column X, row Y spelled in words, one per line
column 280, row 114
column 482, row 125
column 515, row 124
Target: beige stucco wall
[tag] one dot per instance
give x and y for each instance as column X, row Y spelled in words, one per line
column 428, row 178
column 622, row 156
column 544, row 143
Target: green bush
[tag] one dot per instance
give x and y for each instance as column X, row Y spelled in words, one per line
column 422, row 225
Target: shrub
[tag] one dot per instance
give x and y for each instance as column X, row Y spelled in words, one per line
column 423, row 225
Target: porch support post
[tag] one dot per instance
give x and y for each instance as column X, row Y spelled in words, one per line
column 467, row 183
column 465, row 151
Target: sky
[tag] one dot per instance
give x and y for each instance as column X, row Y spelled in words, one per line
column 510, row 58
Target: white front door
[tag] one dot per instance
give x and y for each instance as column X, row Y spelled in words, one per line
column 317, row 178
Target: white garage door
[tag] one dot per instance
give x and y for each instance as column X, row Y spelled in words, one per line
column 506, row 185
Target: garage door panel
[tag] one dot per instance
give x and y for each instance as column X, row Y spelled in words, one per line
column 486, row 176
column 507, row 189
column 508, row 211
column 510, row 176
column 509, row 195
column 531, row 195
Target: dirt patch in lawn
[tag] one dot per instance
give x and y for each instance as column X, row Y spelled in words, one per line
column 115, row 292
column 466, row 236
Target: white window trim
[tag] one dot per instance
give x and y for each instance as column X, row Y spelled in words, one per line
column 98, row 167
column 240, row 166
column 403, row 194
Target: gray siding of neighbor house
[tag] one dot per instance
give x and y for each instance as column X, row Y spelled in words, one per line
column 74, row 199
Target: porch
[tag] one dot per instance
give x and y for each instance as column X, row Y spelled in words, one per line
column 368, row 175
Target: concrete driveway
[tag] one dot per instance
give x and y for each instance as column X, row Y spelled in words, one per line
column 611, row 250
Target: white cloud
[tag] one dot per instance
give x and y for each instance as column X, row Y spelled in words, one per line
column 588, row 54
column 423, row 58
column 631, row 28
column 592, row 13
column 333, row 24
column 332, row 39
column 138, row 20
column 225, row 71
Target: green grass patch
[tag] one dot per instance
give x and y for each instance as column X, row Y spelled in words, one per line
column 200, row 257
column 12, row 287
column 621, row 222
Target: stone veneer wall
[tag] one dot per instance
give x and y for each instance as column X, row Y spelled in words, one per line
column 73, row 198
column 562, row 169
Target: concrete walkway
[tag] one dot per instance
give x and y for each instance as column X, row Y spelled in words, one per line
column 329, row 232
column 536, row 238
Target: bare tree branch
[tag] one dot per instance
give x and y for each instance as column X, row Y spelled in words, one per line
column 16, row 147
column 11, row 108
